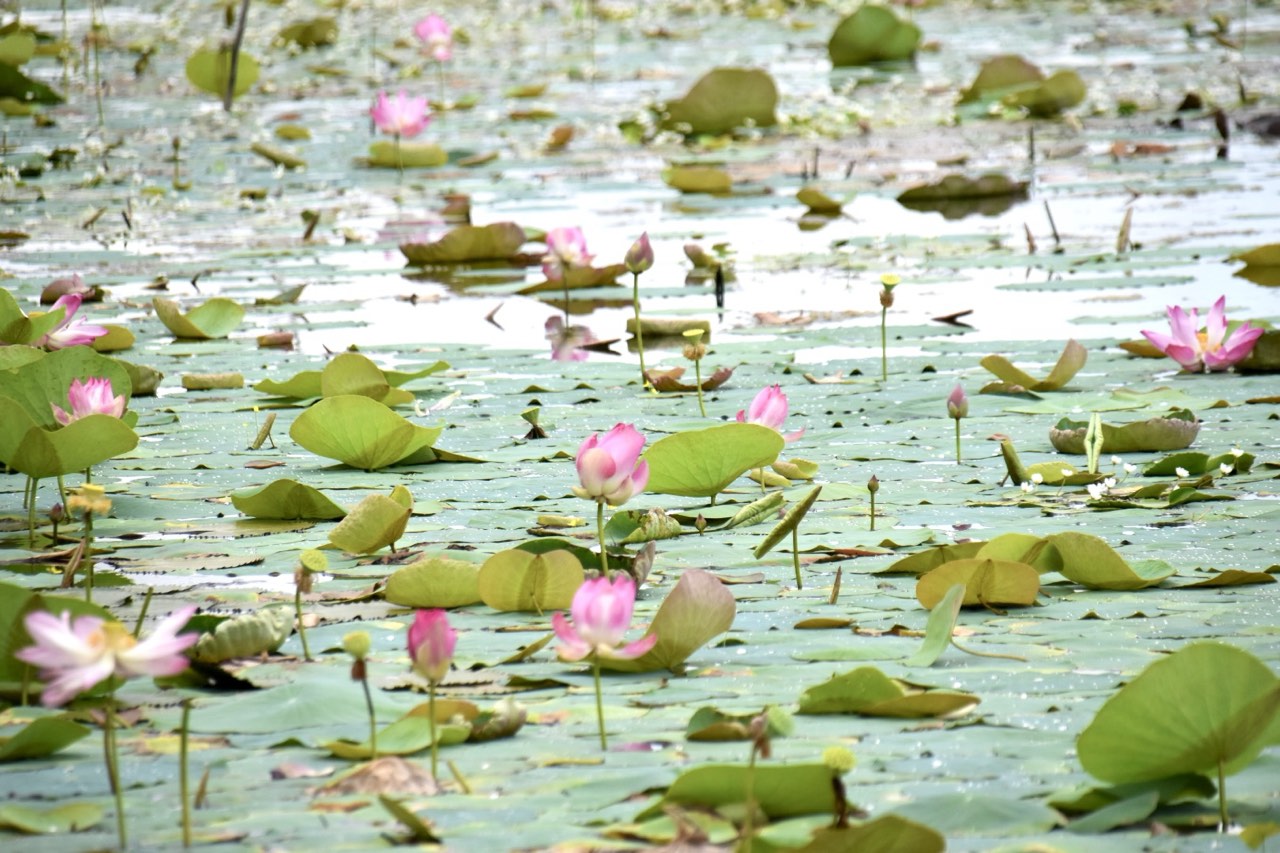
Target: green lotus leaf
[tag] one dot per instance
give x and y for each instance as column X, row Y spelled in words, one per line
column 18, row 328
column 1265, row 355
column 1173, row 431
column 360, row 432
column 1206, row 706
column 788, row 523
column 434, row 582
column 999, row 75
column 384, row 154
column 41, row 453
column 303, row 385
column 14, row 84
column 1063, row 90
column 578, row 278
column 286, row 499
column 247, row 635
column 994, row 815
column 215, row 318
column 926, row 561
column 1196, row 463
column 499, row 241
column 779, row 790
column 712, row 724
column 143, row 380
column 701, row 463
column 889, row 833
column 72, row 817
column 724, row 99
column 697, row 179
column 637, row 526
column 15, row 603
column 819, row 202
column 407, row 735
column 17, row 47
column 210, row 70
column 1090, row 561
column 38, row 383
column 987, row 582
column 872, row 34
column 939, row 628
column 869, row 692
column 313, row 32
column 760, row 510
column 41, row 737
column 1068, row 365
column 353, row 373
column 698, row 609
column 517, row 580
column 371, row 525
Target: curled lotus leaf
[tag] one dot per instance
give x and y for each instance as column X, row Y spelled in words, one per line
column 872, row 34
column 669, row 380
column 1073, row 358
column 1173, row 431
column 1001, row 74
column 724, row 99
column 499, row 241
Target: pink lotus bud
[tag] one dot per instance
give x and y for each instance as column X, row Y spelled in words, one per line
column 601, row 612
column 431, row 644
column 640, row 256
column 609, row 466
column 957, row 403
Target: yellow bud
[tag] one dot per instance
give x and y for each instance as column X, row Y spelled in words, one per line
column 838, row 759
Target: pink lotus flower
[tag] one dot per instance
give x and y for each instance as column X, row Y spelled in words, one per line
column 431, row 644
column 401, row 115
column 601, row 615
column 608, row 467
column 769, row 408
column 566, row 248
column 90, row 398
column 73, row 657
column 640, row 256
column 436, row 36
column 567, row 342
column 73, row 330
column 957, row 403
column 1211, row 349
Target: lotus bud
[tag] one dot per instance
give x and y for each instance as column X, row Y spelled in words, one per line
column 958, row 403
column 700, row 523
column 873, row 485
column 57, row 513
column 640, row 256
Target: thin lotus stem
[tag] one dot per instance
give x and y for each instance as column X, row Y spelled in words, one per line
column 795, row 554
column 142, row 614
column 873, row 510
column 604, row 554
column 457, row 775
column 564, row 280
column 595, row 671
column 697, row 373
column 1224, row 821
column 87, row 556
column 431, row 713
column 760, row 475
column 97, row 66
column 184, row 791
column 399, row 157
column 64, row 52
column 234, row 65
column 635, row 303
column 957, row 441
column 748, row 823
column 113, row 766
column 373, row 720
column 302, row 630
column 884, row 345
column 32, row 485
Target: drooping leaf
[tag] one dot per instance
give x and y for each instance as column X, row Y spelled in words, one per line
column 1062, row 91
column 929, row 559
column 371, row 525
column 697, row 610
column 724, row 99
column 517, row 580
column 498, row 241
column 780, row 791
column 288, row 499
column 872, row 34
column 14, row 84
column 1088, row 560
column 759, row 510
column 938, row 630
column 701, row 463
column 360, row 432
column 788, row 523
column 988, row 583
column 385, row 154
column 1068, row 365
column 816, row 201
column 41, row 737
column 40, row 453
column 1001, row 74
column 214, row 318
column 1207, row 705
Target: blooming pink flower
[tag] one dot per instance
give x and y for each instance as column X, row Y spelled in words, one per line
column 436, row 36
column 769, row 408
column 90, row 398
column 73, row 657
column 957, row 403
column 401, row 115
column 608, row 469
column 601, row 615
column 1211, row 349
column 431, row 644
column 567, row 342
column 640, row 256
column 566, row 248
column 73, row 330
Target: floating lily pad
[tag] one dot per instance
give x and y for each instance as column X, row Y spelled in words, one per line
column 1173, row 431
column 361, row 433
column 215, row 318
column 889, row 833
column 956, row 196
column 701, row 463
column 1073, row 358
column 499, row 241
column 724, row 99
column 517, row 580
column 371, row 525
column 210, row 70
column 434, row 582
column 872, row 34
column 869, row 692
column 286, row 499
column 697, row 179
column 712, row 724
column 578, row 278
column 314, row 32
column 780, row 791
column 384, row 154
column 1001, row 74
column 71, row 817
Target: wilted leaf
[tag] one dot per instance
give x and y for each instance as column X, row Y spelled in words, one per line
column 1174, row 431
column 696, row 610
column 1068, row 365
column 246, row 635
column 371, row 525
column 987, row 583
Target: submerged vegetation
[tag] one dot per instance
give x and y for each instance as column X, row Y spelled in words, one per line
column 947, row 544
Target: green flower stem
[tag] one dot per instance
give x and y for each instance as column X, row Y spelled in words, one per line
column 184, row 791
column 635, row 303
column 458, row 777
column 431, row 714
column 760, row 474
column 373, row 720
column 32, row 485
column 595, row 671
column 113, row 766
column 399, row 157
column 697, row 373
column 604, row 554
column 795, row 554
column 884, row 345
column 1224, row 821
column 748, row 823
column 94, row 26
column 142, row 613
column 88, row 556
column 302, row 631
column 957, row 441
column 873, row 510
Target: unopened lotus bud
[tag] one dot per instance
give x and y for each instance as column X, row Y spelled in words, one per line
column 873, row 485
column 700, row 523
column 640, row 256
column 57, row 513
column 302, row 579
column 958, row 403
column 759, row 733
